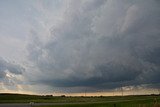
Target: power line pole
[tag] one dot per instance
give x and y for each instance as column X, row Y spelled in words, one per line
column 85, row 93
column 113, row 92
column 159, row 91
column 122, row 90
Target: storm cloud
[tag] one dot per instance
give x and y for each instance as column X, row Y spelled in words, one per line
column 100, row 44
column 10, row 67
column 8, row 75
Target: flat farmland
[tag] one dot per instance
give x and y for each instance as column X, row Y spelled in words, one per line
column 21, row 100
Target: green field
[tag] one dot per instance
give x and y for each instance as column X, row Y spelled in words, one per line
column 116, row 101
column 147, row 103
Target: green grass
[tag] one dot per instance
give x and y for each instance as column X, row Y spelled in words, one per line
column 134, row 103
column 119, row 104
column 116, row 101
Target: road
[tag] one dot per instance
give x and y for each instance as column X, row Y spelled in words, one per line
column 29, row 105
column 15, row 105
column 24, row 104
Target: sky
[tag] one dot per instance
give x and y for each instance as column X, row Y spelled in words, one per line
column 76, row 46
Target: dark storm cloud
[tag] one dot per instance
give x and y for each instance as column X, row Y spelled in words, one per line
column 9, row 72
column 102, row 44
column 11, row 67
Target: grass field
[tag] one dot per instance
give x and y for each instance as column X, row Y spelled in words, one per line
column 116, row 101
column 146, row 103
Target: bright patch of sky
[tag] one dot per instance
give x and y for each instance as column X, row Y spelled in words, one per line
column 18, row 18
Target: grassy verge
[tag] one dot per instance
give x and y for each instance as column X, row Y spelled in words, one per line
column 134, row 103
column 116, row 101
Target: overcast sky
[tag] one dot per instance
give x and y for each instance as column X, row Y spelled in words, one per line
column 49, row 46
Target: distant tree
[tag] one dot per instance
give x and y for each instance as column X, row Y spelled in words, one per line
column 159, row 91
column 63, row 96
column 49, row 95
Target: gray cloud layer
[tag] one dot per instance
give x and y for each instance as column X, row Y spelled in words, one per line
column 11, row 67
column 8, row 75
column 101, row 44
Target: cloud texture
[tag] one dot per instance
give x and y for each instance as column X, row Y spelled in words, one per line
column 9, row 72
column 11, row 67
column 100, row 44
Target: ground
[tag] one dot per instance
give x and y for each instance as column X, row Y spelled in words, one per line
column 17, row 100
